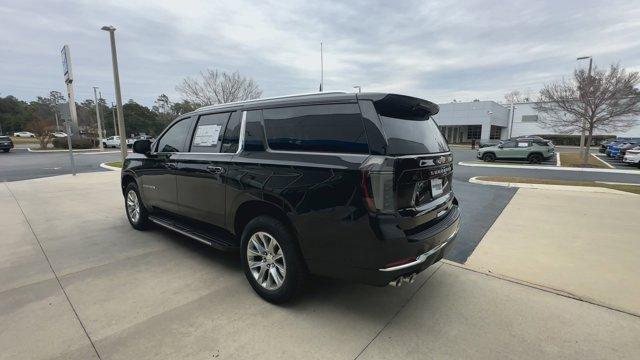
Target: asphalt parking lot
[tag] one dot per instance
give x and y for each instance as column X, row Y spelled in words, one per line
column 615, row 163
column 20, row 164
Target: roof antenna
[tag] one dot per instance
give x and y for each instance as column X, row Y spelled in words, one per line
column 321, row 69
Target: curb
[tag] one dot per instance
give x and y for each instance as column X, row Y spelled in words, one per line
column 538, row 167
column 112, row 168
column 65, row 150
column 591, row 189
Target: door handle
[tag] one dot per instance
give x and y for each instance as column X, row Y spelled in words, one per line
column 215, row 169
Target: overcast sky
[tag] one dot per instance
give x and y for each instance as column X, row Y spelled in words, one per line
column 438, row 50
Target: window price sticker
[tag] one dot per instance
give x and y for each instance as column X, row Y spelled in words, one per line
column 207, row 135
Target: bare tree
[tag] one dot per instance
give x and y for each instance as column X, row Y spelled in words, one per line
column 606, row 101
column 515, row 96
column 214, row 87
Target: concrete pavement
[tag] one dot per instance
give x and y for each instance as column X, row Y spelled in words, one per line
column 125, row 294
column 582, row 243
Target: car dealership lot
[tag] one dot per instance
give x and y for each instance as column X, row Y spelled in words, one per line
column 158, row 295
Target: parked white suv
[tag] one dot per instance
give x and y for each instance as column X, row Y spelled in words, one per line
column 114, row 141
column 632, row 156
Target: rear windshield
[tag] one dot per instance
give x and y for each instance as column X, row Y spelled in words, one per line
column 408, row 137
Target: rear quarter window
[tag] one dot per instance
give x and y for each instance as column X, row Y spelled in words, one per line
column 334, row 128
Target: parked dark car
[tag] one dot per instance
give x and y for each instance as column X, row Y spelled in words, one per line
column 352, row 186
column 6, row 144
column 604, row 144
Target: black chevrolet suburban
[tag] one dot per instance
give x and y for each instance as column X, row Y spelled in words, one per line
column 352, row 186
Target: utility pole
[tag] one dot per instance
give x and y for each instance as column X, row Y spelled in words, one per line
column 95, row 96
column 116, row 82
column 321, row 69
column 359, row 88
column 583, row 147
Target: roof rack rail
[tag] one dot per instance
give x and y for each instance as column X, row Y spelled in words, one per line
column 218, row 106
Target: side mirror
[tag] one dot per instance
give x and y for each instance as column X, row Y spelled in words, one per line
column 142, row 147
column 500, row 146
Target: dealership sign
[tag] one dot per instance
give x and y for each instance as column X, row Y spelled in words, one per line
column 66, row 64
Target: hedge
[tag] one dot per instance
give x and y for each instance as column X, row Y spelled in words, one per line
column 76, row 143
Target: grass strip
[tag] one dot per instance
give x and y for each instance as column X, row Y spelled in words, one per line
column 117, row 164
column 571, row 159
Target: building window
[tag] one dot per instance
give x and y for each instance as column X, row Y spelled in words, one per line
column 495, row 132
column 473, row 132
column 529, row 118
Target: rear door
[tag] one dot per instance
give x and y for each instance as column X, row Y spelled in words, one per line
column 158, row 177
column 522, row 149
column 203, row 169
column 507, row 151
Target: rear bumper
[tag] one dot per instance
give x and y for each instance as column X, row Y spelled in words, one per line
column 420, row 251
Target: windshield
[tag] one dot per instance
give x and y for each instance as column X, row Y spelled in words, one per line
column 409, row 137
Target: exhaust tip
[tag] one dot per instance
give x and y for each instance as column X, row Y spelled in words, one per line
column 403, row 279
column 409, row 279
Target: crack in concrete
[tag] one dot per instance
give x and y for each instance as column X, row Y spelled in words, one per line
column 54, row 272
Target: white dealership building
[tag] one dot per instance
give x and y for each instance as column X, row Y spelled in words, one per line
column 461, row 122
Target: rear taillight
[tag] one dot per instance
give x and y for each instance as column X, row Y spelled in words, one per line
column 377, row 184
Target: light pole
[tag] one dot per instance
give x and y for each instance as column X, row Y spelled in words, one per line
column 95, row 95
column 583, row 148
column 359, row 88
column 116, row 83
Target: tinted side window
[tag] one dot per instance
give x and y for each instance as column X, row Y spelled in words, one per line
column 232, row 134
column 254, row 133
column 323, row 128
column 173, row 140
column 509, row 145
column 207, row 136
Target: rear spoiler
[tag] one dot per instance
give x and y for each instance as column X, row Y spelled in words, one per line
column 402, row 106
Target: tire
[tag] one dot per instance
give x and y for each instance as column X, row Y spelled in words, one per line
column 288, row 269
column 534, row 158
column 132, row 200
column 489, row 157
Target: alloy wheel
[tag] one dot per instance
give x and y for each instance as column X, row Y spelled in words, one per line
column 266, row 260
column 133, row 206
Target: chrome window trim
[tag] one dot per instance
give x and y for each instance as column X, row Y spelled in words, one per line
column 314, row 153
